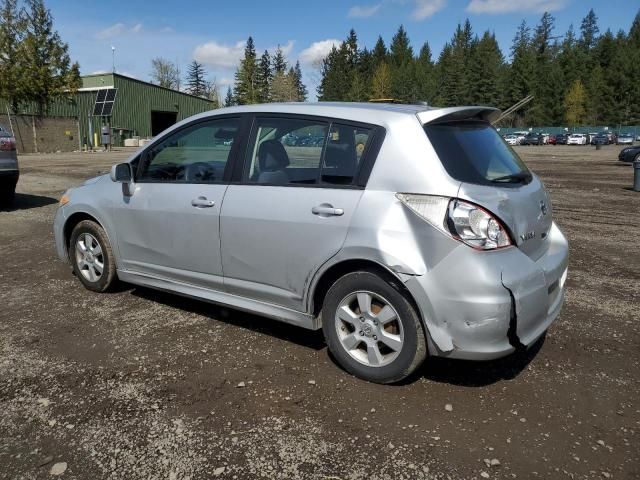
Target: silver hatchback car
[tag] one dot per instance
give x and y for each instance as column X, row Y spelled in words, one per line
column 402, row 231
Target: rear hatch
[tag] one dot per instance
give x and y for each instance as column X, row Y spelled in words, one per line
column 493, row 177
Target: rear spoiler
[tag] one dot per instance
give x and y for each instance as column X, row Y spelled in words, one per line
column 487, row 114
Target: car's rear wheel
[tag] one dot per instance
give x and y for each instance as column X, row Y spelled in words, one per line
column 91, row 256
column 372, row 329
column 7, row 194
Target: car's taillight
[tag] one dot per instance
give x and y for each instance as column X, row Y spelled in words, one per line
column 7, row 143
column 459, row 219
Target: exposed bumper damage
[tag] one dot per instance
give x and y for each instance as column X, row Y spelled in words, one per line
column 485, row 305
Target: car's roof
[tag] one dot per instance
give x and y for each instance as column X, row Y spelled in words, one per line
column 358, row 111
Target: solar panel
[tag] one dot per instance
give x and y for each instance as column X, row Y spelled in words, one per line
column 108, row 107
column 104, row 102
column 97, row 109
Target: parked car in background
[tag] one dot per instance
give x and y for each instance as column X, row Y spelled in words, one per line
column 629, row 154
column 624, row 139
column 545, row 138
column 561, row 138
column 611, row 136
column 577, row 139
column 9, row 171
column 600, row 139
column 520, row 136
column 471, row 264
column 533, row 139
column 512, row 139
column 552, row 139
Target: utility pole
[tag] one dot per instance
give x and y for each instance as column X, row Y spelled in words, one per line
column 113, row 58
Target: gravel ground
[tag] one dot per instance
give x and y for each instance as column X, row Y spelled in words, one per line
column 139, row 384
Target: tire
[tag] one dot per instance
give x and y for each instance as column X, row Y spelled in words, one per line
column 637, row 158
column 7, row 192
column 355, row 343
column 92, row 257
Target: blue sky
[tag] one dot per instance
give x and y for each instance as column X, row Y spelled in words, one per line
column 214, row 32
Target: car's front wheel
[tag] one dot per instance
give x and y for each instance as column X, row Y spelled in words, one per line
column 372, row 329
column 92, row 257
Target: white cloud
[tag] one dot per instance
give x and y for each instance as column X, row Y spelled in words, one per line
column 117, row 30
column 427, row 8
column 316, row 52
column 216, row 54
column 111, row 32
column 287, row 48
column 364, row 11
column 496, row 7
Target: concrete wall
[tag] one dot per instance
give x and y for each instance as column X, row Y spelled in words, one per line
column 43, row 134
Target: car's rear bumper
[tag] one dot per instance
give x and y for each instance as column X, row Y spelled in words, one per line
column 9, row 176
column 484, row 305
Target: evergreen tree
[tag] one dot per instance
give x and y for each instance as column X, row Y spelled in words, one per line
column 425, row 75
column 545, row 91
column 485, row 69
column 403, row 85
column 196, row 83
column 12, row 33
column 301, row 89
column 264, row 77
column 228, row 99
column 589, row 30
column 453, row 71
column 279, row 62
column 47, row 71
column 379, row 52
column 245, row 88
column 522, row 71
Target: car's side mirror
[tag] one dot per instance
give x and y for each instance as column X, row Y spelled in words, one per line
column 122, row 173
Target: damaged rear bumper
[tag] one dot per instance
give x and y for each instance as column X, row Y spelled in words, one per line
column 485, row 305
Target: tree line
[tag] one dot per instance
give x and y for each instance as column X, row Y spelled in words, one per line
column 585, row 78
column 35, row 67
column 266, row 79
column 166, row 73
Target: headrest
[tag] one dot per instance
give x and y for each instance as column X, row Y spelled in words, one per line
column 272, row 156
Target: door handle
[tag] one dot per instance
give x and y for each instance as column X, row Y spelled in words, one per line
column 327, row 210
column 202, row 202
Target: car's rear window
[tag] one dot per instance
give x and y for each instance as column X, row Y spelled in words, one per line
column 473, row 152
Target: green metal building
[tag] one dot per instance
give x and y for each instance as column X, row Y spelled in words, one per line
column 139, row 108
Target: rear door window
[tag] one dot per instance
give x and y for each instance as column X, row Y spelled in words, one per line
column 345, row 147
column 473, row 152
column 286, row 151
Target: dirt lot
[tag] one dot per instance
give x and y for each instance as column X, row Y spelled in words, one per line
column 141, row 384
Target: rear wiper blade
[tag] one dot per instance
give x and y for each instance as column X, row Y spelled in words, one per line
column 513, row 178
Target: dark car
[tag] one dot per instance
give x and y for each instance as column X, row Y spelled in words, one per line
column 600, row 139
column 533, row 139
column 9, row 172
column 561, row 138
column 629, row 154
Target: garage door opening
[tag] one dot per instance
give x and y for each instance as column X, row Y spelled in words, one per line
column 161, row 121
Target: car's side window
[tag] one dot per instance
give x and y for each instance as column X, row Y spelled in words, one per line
column 286, row 151
column 345, row 147
column 196, row 154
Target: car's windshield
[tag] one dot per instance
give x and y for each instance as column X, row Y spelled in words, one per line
column 474, row 152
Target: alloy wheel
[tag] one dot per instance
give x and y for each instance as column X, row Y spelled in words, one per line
column 89, row 257
column 369, row 328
